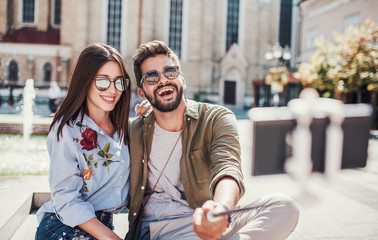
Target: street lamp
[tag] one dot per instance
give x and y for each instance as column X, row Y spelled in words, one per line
column 277, row 50
column 286, row 55
column 278, row 53
column 277, row 74
column 268, row 53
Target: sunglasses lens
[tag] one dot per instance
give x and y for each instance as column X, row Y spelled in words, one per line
column 119, row 84
column 151, row 77
column 102, row 84
column 170, row 72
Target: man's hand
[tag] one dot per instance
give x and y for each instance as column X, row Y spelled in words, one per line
column 203, row 227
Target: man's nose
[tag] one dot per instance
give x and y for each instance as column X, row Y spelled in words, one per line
column 162, row 78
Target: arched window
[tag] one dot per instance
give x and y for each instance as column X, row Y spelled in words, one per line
column 47, row 69
column 12, row 71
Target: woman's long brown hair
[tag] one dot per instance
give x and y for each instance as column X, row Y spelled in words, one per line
column 91, row 59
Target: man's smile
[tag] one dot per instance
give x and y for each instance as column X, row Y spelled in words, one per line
column 165, row 91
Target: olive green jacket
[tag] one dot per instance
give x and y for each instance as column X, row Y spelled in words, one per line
column 210, row 151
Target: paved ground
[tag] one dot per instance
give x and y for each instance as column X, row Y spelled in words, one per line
column 344, row 207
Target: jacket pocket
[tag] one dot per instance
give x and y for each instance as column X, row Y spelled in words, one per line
column 201, row 165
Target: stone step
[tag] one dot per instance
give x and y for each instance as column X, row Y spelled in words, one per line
column 27, row 229
column 24, row 196
column 17, row 201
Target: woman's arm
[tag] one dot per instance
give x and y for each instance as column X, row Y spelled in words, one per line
column 98, row 230
column 66, row 180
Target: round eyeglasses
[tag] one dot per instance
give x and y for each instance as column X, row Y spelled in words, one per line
column 152, row 77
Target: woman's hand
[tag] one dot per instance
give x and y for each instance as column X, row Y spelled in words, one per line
column 142, row 108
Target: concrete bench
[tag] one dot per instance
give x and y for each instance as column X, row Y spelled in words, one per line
column 21, row 197
column 27, row 228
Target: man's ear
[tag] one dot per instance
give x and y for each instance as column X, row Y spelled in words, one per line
column 183, row 83
column 141, row 93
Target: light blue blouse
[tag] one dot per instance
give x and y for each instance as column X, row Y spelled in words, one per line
column 89, row 171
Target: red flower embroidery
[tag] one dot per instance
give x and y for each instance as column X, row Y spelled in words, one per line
column 89, row 140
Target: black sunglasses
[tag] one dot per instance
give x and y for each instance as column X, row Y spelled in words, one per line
column 103, row 83
column 152, row 77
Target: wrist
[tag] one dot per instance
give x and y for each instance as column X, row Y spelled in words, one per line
column 225, row 207
column 228, row 215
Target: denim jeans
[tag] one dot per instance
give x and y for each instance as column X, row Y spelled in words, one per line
column 52, row 228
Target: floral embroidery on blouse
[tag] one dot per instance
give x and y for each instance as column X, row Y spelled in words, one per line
column 88, row 143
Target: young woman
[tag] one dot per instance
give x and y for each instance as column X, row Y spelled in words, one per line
column 88, row 147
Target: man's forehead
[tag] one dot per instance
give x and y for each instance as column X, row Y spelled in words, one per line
column 157, row 62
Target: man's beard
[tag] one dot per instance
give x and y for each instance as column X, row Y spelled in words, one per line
column 165, row 107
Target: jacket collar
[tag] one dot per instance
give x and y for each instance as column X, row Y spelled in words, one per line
column 192, row 109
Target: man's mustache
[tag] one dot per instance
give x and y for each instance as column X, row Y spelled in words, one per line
column 166, row 85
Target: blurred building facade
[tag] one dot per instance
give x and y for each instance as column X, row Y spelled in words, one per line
column 221, row 43
column 323, row 17
column 30, row 45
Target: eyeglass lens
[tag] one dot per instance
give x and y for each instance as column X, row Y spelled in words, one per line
column 152, row 77
column 103, row 84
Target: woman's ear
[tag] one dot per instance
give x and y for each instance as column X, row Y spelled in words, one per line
column 141, row 93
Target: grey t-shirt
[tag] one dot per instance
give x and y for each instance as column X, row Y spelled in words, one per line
column 168, row 199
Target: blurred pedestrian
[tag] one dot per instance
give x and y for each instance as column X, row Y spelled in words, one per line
column 55, row 95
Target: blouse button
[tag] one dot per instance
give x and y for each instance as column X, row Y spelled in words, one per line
column 188, row 119
column 142, row 187
column 134, row 214
column 142, row 160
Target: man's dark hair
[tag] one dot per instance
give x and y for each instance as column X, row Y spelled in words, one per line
column 151, row 49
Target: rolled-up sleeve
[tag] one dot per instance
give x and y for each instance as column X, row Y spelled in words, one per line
column 66, row 180
column 225, row 150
